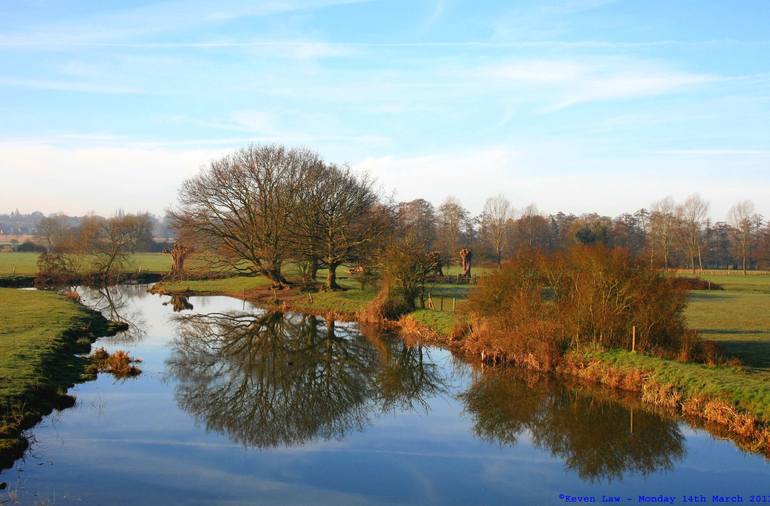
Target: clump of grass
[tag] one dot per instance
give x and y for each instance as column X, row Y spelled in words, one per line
column 120, row 363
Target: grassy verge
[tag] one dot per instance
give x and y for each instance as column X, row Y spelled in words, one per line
column 40, row 332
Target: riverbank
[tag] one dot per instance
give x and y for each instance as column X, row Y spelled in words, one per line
column 41, row 335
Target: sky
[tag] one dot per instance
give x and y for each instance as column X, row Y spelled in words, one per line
column 573, row 105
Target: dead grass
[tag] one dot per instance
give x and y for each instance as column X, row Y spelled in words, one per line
column 119, row 363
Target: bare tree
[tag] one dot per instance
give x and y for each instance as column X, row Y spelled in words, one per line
column 53, row 231
column 452, row 222
column 115, row 239
column 662, row 228
column 336, row 218
column 693, row 213
column 417, row 217
column 744, row 221
column 240, row 207
column 495, row 224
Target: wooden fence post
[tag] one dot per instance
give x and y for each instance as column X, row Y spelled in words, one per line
column 454, row 304
column 441, row 303
column 633, row 339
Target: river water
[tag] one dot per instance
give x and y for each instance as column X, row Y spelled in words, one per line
column 238, row 406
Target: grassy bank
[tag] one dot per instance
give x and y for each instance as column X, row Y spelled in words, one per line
column 731, row 402
column 40, row 332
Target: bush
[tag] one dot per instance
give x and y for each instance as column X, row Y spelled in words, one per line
column 30, row 247
column 537, row 306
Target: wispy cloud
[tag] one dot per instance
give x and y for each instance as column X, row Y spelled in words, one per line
column 65, row 85
column 127, row 25
column 711, row 152
column 566, row 83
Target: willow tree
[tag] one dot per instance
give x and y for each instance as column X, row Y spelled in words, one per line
column 239, row 208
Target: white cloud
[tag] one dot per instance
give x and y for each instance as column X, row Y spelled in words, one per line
column 67, row 85
column 566, row 83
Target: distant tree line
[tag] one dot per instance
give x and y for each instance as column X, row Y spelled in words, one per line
column 39, row 227
column 668, row 234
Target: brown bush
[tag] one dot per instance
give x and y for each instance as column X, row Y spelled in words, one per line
column 120, row 364
column 590, row 296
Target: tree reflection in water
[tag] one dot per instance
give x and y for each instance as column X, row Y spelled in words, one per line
column 273, row 379
column 115, row 303
column 597, row 436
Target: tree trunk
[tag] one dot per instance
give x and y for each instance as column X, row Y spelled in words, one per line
column 700, row 259
column 274, row 273
column 314, row 269
column 331, row 277
column 466, row 257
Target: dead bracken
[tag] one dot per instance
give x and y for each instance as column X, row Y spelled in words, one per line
column 119, row 363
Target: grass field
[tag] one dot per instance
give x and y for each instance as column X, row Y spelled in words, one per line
column 737, row 317
column 25, row 264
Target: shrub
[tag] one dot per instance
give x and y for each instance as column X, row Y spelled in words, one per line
column 537, row 306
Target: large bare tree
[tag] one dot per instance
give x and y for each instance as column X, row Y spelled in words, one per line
column 336, row 218
column 240, row 207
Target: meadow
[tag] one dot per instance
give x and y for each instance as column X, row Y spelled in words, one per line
column 738, row 317
column 25, row 264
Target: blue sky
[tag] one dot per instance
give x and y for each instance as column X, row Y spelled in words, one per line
column 574, row 105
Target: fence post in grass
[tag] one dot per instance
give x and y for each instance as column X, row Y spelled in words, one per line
column 454, row 304
column 633, row 339
column 441, row 303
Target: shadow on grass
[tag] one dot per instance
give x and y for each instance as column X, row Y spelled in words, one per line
column 728, row 332
column 752, row 353
column 709, row 297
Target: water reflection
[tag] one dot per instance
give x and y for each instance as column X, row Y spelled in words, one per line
column 599, row 437
column 273, row 379
column 117, row 303
column 179, row 304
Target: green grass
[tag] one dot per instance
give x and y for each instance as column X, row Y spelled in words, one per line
column 229, row 286
column 32, row 325
column 441, row 322
column 25, row 264
column 737, row 317
column 748, row 389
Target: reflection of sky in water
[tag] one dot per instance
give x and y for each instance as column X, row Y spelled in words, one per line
column 129, row 443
